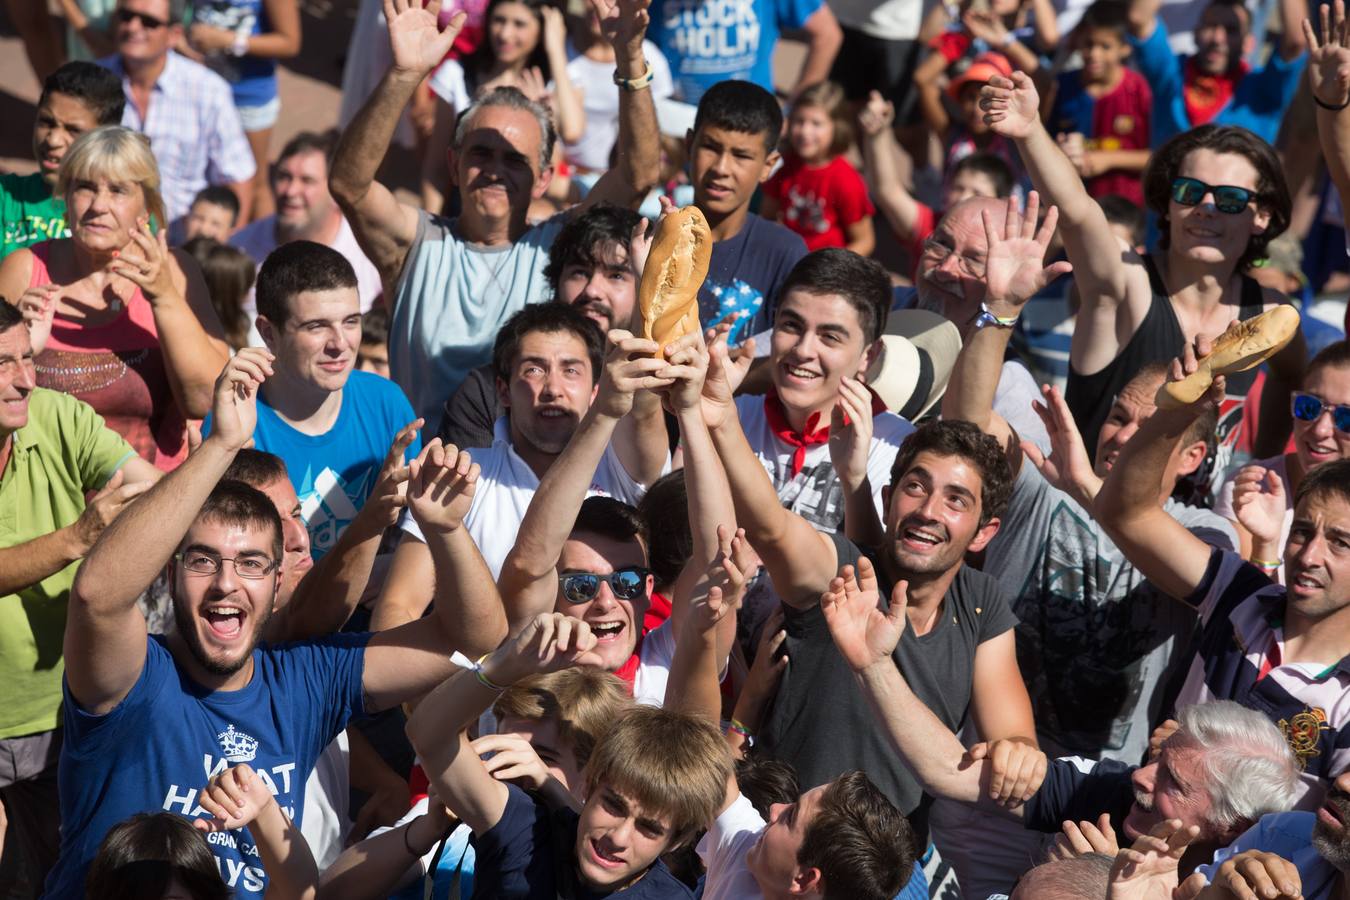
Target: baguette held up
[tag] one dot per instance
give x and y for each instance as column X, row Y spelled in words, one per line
column 675, row 270
column 1243, row 346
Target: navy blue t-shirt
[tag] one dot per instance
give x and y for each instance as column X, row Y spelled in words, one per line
column 1069, row 793
column 530, row 855
column 745, row 273
column 169, row 736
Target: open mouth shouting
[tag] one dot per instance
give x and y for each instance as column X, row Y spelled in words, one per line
column 224, row 622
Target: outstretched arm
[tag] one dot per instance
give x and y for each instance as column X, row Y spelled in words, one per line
column 1129, row 505
column 1112, row 283
column 105, row 631
column 695, row 684
column 384, row 227
column 881, row 166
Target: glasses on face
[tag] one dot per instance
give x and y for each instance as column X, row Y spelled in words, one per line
column 199, row 562
column 1309, row 408
column 967, row 266
column 1227, row 198
column 628, row 583
column 149, row 23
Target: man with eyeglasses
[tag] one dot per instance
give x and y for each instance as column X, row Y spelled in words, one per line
column 145, row 716
column 1283, row 650
column 185, row 109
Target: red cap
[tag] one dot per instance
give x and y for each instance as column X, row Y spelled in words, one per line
column 984, row 67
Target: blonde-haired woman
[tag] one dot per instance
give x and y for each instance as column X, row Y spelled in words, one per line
column 117, row 318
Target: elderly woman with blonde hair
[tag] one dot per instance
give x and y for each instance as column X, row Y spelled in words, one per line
column 116, row 317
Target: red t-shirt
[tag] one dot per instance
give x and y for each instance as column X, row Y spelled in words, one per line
column 1120, row 121
column 819, row 202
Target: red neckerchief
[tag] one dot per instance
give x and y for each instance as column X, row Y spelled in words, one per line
column 628, row 671
column 1206, row 95
column 777, row 418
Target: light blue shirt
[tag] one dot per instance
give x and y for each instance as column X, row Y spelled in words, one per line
column 1289, row 835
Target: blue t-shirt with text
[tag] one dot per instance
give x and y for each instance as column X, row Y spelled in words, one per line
column 159, row 747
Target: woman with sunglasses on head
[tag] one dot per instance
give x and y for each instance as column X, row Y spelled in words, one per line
column 1259, row 498
column 1220, row 198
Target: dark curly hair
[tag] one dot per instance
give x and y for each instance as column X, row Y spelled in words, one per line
column 1272, row 193
column 951, row 438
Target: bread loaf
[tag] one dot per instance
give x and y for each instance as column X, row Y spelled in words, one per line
column 1245, row 344
column 675, row 270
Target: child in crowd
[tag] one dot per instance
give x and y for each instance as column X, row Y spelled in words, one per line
column 214, row 213
column 966, row 132
column 654, row 779
column 229, row 274
column 1101, row 112
column 817, row 193
column 373, row 354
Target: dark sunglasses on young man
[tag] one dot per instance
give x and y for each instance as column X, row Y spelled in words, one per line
column 1227, row 198
column 1309, row 408
column 149, row 23
column 628, row 583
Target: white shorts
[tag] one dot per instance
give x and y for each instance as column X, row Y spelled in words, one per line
column 260, row 118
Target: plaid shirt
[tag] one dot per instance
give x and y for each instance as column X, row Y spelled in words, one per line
column 194, row 130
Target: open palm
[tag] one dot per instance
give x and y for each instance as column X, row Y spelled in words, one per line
column 1011, row 107
column 1148, row 869
column 1329, row 59
column 415, row 37
column 1014, row 267
column 862, row 632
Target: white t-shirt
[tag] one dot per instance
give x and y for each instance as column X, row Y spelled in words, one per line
column 600, row 97
column 815, row 493
column 327, row 816
column 723, row 850
column 655, row 657
column 449, row 84
column 506, row 485
column 888, row 20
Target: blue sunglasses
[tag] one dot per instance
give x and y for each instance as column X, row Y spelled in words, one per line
column 1308, row 408
column 1227, row 198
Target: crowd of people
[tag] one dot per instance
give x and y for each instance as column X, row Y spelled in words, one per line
column 357, row 540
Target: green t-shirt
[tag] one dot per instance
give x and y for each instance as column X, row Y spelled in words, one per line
column 63, row 452
column 29, row 213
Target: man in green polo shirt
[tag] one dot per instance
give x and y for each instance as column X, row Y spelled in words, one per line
column 78, row 97
column 54, row 451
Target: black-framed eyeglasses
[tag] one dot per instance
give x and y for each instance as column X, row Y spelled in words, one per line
column 628, row 583
column 199, row 562
column 1228, row 198
column 1309, row 408
column 149, row 23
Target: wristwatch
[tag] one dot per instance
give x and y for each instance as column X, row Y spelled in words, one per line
column 987, row 319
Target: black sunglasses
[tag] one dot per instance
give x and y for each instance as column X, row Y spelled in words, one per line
column 149, row 23
column 628, row 583
column 1308, row 408
column 1227, row 198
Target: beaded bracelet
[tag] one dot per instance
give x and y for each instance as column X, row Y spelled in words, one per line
column 1267, row 565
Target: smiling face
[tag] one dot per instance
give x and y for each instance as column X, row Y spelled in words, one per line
column 1172, row 787
column 102, row 213
column 316, row 345
column 1220, row 38
column 60, row 120
column 138, row 42
column 933, row 515
column 1201, row 233
column 605, row 290
column 551, row 388
column 294, row 536
column 1319, row 442
column 553, row 752
column 811, row 132
column 951, row 267
column 617, row 840
column 817, row 340
column 497, row 167
column 1104, row 52
column 513, row 30
column 613, row 620
column 1317, row 557
column 219, row 618
column 18, row 377
column 726, row 167
column 773, row 858
column 304, row 206
column 209, row 220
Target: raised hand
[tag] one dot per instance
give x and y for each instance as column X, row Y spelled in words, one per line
column 1160, row 736
column 105, row 506
column 726, row 578
column 986, row 26
column 1077, row 839
column 416, row 39
column 863, row 633
column 1257, row 875
column 624, row 23
column 234, row 798
column 761, row 682
column 510, row 757
column 390, row 494
column 640, row 246
column 1189, row 362
column 1016, row 770
column 548, row 643
column 38, row 305
column 632, row 365
column 1067, row 467
column 146, row 264
column 533, row 85
column 1259, row 503
column 1014, row 270
column 1011, row 106
column 234, row 411
column 1148, row 869
column 555, row 29
column 441, row 483
column 851, row 433
column 724, row 375
column 1329, row 59
column 687, row 367
column 877, row 115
